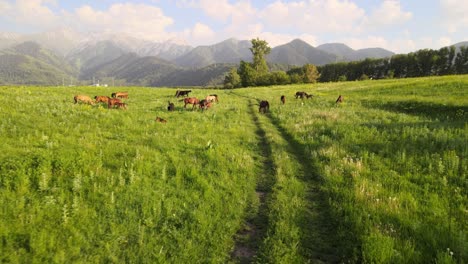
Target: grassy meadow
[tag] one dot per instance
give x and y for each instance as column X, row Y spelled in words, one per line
column 379, row 178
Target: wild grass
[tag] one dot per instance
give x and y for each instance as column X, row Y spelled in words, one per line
column 381, row 177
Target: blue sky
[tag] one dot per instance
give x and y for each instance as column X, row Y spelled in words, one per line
column 400, row 26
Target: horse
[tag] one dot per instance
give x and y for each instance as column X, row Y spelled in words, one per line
column 339, row 100
column 120, row 95
column 190, row 100
column 204, row 104
column 302, row 95
column 121, row 105
column 101, row 99
column 212, row 98
column 283, row 99
column 182, row 93
column 160, row 120
column 171, row 106
column 83, row 98
column 113, row 102
column 264, row 106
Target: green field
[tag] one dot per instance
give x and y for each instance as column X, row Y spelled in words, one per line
column 379, row 178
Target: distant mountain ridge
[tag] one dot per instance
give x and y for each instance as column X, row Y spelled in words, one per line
column 345, row 53
column 65, row 54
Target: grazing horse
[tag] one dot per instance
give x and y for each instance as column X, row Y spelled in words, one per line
column 120, row 95
column 171, row 106
column 339, row 100
column 204, row 104
column 264, row 106
column 113, row 102
column 121, row 105
column 212, row 98
column 83, row 98
column 101, row 99
column 190, row 100
column 302, row 95
column 160, row 120
column 283, row 99
column 182, row 93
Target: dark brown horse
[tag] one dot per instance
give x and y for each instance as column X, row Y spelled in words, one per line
column 190, row 100
column 264, row 107
column 339, row 100
column 204, row 104
column 182, row 93
column 302, row 95
column 283, row 99
column 171, row 106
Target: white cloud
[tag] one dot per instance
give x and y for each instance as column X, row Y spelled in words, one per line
column 455, row 14
column 200, row 34
column 387, row 14
column 32, row 13
column 139, row 20
column 314, row 16
column 445, row 41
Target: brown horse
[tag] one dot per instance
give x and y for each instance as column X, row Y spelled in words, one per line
column 83, row 98
column 190, row 100
column 212, row 98
column 120, row 95
column 121, row 105
column 113, row 102
column 283, row 99
column 101, row 99
column 160, row 120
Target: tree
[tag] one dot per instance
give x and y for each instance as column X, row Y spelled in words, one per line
column 311, row 73
column 259, row 50
column 247, row 74
column 461, row 61
column 232, row 79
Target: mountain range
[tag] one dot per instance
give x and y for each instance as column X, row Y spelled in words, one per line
column 51, row 57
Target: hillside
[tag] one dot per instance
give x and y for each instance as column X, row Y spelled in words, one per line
column 299, row 52
column 228, row 51
column 95, row 55
column 345, row 53
column 29, row 63
column 134, row 70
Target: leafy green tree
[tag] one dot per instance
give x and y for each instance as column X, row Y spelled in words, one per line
column 259, row 50
column 310, row 73
column 232, row 79
column 247, row 74
column 461, row 61
column 279, row 78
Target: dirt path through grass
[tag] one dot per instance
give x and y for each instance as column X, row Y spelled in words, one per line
column 311, row 230
column 249, row 238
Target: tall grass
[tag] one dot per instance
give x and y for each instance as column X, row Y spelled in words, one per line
column 381, row 177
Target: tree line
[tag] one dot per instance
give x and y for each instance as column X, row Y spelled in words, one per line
column 425, row 62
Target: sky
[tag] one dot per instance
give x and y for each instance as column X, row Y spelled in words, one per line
column 399, row 26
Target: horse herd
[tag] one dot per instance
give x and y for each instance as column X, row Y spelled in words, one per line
column 264, row 106
column 115, row 101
